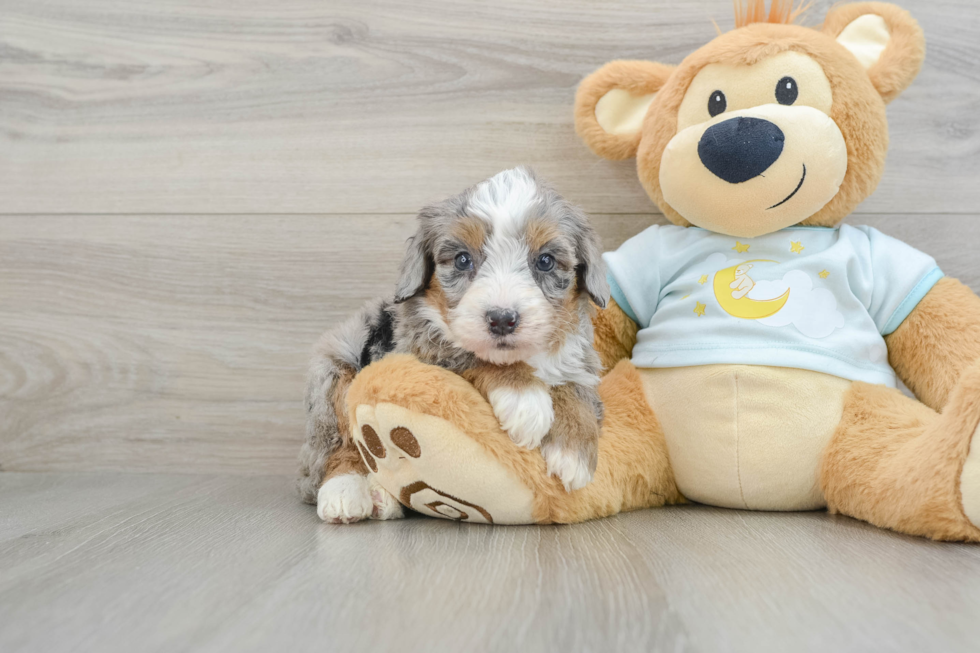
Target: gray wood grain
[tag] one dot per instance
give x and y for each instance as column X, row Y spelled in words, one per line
column 109, row 562
column 380, row 105
column 180, row 343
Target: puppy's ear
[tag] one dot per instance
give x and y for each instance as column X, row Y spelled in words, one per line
column 591, row 270
column 611, row 103
column 417, row 266
column 886, row 40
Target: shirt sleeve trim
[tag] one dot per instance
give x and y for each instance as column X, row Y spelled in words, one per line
column 620, row 297
column 912, row 300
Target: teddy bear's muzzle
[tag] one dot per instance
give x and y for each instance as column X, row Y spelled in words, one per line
column 754, row 171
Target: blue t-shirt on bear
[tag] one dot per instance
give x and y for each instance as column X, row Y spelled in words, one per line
column 814, row 298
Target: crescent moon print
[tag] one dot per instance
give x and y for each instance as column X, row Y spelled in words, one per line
column 736, row 302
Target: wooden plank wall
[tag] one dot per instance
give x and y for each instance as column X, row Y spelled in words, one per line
column 191, row 191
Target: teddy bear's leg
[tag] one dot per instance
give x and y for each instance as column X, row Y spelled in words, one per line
column 899, row 464
column 431, row 440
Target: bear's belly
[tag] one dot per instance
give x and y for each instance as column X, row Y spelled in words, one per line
column 746, row 436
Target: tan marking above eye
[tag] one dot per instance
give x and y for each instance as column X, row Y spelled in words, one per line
column 751, row 86
column 540, row 233
column 470, row 230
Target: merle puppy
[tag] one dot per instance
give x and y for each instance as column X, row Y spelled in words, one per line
column 499, row 285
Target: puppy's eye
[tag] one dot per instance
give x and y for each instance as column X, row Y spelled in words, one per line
column 463, row 262
column 787, row 91
column 545, row 263
column 717, row 103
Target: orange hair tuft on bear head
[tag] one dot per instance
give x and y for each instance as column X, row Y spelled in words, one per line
column 780, row 11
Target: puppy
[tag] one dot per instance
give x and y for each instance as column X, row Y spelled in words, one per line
column 498, row 285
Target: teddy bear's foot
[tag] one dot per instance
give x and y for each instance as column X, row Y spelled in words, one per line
column 899, row 464
column 436, row 469
column 349, row 498
column 963, row 409
column 970, row 481
column 432, row 441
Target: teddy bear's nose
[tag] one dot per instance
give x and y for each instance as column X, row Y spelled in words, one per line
column 740, row 149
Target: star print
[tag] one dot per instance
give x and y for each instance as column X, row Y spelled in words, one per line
column 703, row 280
column 699, row 309
column 741, row 248
column 796, row 246
column 823, row 275
column 685, row 296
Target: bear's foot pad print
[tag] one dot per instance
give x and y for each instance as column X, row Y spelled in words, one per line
column 434, row 468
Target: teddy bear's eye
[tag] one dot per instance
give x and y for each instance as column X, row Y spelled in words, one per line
column 787, row 91
column 717, row 103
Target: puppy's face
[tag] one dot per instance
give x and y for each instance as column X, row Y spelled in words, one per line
column 505, row 267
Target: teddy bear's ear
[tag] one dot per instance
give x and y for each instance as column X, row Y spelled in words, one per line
column 611, row 103
column 886, row 40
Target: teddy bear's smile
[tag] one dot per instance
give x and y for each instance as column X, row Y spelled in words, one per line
column 795, row 190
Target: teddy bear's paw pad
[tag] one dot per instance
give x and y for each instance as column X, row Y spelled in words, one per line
column 433, row 467
column 345, row 499
column 431, row 501
column 970, row 481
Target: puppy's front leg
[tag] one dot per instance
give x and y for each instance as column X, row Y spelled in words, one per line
column 349, row 495
column 571, row 449
column 520, row 400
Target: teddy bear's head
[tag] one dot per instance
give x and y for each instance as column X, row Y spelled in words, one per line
column 767, row 126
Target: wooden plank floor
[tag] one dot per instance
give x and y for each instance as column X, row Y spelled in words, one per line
column 121, row 562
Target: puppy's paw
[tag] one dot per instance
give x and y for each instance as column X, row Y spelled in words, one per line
column 345, row 499
column 572, row 467
column 525, row 414
column 385, row 505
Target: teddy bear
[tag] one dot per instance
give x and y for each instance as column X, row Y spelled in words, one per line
column 743, row 283
column 775, row 392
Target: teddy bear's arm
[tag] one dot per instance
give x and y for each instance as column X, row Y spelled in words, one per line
column 937, row 341
column 615, row 335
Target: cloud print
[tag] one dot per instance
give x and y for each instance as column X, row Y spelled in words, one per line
column 813, row 312
column 718, row 261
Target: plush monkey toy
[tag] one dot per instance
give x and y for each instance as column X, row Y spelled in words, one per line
column 753, row 345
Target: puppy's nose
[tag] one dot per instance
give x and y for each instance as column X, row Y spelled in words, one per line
column 502, row 322
column 740, row 149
